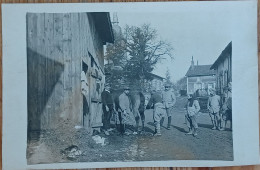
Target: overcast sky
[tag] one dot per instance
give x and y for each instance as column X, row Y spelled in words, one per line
column 198, row 34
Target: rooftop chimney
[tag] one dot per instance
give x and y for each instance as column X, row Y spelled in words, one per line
column 115, row 18
column 192, row 63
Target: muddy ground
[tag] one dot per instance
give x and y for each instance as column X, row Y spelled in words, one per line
column 172, row 145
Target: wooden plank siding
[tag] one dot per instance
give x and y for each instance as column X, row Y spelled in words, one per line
column 57, row 45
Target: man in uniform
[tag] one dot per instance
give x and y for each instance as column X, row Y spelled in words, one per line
column 214, row 108
column 107, row 107
column 227, row 106
column 169, row 101
column 125, row 108
column 159, row 111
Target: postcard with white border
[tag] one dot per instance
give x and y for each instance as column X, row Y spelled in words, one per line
column 160, row 84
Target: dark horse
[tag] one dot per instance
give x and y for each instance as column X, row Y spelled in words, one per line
column 137, row 104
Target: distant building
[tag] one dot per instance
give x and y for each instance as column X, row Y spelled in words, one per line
column 200, row 77
column 155, row 81
column 223, row 67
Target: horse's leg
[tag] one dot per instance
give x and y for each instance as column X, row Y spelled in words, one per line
column 137, row 121
column 122, row 126
column 136, row 105
column 142, row 118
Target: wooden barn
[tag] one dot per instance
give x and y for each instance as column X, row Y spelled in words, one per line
column 61, row 50
column 223, row 67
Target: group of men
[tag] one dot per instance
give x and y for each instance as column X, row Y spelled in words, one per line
column 130, row 107
column 120, row 105
column 220, row 108
column 162, row 104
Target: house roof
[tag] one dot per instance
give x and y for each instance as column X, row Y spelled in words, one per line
column 156, row 76
column 200, row 70
column 224, row 54
column 104, row 26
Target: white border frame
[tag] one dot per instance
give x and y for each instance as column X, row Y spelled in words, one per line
column 245, row 79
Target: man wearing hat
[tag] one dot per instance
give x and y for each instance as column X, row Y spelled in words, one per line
column 107, row 107
column 156, row 102
column 125, row 108
column 214, row 108
column 169, row 101
column 227, row 106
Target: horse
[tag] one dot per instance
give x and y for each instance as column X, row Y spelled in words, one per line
column 137, row 106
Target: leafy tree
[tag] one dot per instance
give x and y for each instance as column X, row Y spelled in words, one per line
column 116, row 52
column 116, row 57
column 168, row 79
column 144, row 52
column 136, row 52
column 182, row 84
column 168, row 76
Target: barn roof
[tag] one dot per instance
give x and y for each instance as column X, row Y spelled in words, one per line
column 104, row 26
column 200, row 70
column 224, row 54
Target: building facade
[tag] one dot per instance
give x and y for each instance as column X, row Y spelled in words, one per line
column 200, row 77
column 61, row 48
column 223, row 67
column 155, row 82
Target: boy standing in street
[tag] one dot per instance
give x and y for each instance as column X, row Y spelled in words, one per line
column 193, row 108
column 169, row 101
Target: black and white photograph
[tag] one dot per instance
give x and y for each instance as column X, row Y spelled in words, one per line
column 122, row 85
column 128, row 87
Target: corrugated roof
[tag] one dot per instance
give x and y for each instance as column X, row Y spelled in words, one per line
column 200, row 70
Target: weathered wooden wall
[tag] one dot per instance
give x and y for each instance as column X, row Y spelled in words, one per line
column 56, row 46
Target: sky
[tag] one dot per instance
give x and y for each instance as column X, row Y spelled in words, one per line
column 200, row 34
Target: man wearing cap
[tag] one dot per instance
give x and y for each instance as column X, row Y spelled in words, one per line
column 125, row 108
column 227, row 106
column 169, row 101
column 107, row 107
column 214, row 108
column 156, row 102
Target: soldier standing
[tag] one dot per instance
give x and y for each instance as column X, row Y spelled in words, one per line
column 227, row 106
column 169, row 101
column 214, row 108
column 156, row 103
column 107, row 107
column 125, row 109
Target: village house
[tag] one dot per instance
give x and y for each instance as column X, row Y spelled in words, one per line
column 200, row 77
column 62, row 51
column 156, row 82
column 223, row 67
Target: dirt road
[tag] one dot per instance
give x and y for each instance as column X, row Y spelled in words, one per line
column 172, row 145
